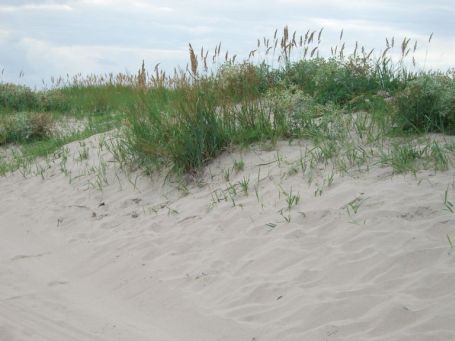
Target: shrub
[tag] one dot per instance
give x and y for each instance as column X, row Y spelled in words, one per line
column 40, row 125
column 24, row 127
column 427, row 104
column 17, row 98
column 54, row 100
column 341, row 81
column 294, row 112
column 289, row 109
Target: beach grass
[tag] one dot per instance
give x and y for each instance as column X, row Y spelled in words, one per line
column 356, row 108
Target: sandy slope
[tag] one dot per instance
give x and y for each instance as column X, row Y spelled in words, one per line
column 77, row 263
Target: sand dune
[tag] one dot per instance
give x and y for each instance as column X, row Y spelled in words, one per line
column 100, row 255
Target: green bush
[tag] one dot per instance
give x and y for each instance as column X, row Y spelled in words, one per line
column 341, row 81
column 293, row 111
column 17, row 98
column 427, row 104
column 326, row 80
column 24, row 127
column 54, row 100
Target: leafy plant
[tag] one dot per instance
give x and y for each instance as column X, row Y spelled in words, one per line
column 427, row 103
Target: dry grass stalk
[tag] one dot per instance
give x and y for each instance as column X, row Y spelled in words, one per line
column 205, row 61
column 311, row 37
column 285, row 37
column 313, row 52
column 141, row 77
column 193, row 60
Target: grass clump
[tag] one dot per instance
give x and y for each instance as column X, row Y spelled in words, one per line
column 410, row 156
column 189, row 134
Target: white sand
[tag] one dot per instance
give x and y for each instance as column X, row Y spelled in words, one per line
column 77, row 263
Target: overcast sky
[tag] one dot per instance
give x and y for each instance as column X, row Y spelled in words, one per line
column 44, row 38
